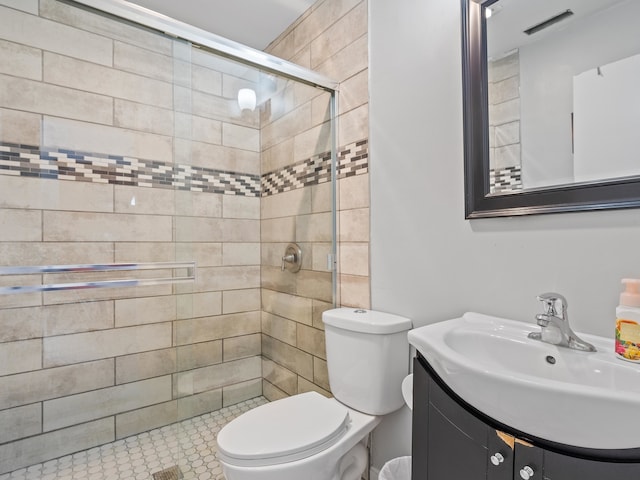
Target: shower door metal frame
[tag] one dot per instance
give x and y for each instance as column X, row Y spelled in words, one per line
column 249, row 56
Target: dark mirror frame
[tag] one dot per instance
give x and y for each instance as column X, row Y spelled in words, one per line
column 479, row 203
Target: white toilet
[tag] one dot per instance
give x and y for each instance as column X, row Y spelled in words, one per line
column 311, row 437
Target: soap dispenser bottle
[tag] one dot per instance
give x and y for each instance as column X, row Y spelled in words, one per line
column 628, row 321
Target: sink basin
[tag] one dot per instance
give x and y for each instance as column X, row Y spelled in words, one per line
column 589, row 400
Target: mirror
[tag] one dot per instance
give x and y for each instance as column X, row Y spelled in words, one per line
column 551, row 105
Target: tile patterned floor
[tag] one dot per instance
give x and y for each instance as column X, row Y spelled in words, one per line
column 189, row 444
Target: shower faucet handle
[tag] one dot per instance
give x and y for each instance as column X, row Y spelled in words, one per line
column 292, row 258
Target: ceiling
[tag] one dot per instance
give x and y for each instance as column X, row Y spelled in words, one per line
column 251, row 22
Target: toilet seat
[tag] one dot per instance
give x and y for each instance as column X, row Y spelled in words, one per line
column 283, row 431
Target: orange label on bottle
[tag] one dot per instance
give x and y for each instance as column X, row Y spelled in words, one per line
column 628, row 340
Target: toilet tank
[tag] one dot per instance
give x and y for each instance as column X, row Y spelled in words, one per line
column 367, row 358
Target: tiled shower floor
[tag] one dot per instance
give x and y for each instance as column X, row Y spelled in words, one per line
column 189, row 444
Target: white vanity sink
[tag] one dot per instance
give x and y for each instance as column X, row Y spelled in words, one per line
column 577, row 398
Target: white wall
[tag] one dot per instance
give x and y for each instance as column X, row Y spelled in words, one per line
column 427, row 261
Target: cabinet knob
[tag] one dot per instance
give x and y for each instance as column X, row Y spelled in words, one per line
column 526, row 473
column 497, row 459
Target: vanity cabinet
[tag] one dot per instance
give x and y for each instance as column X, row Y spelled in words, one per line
column 451, row 441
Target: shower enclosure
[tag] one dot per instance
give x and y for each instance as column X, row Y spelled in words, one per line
column 144, row 213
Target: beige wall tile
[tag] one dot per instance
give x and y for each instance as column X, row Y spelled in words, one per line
column 245, row 300
column 354, row 125
column 36, row 193
column 287, row 126
column 278, row 230
column 29, row 6
column 140, row 366
column 316, row 227
column 80, row 408
column 236, row 206
column 198, row 204
column 25, row 225
column 240, row 230
column 340, row 34
column 23, row 356
column 237, row 136
column 137, row 200
column 279, row 328
column 321, row 373
column 216, row 328
column 194, row 305
column 198, row 229
column 206, row 80
column 30, row 96
column 199, row 355
column 287, row 306
column 199, row 403
column 321, row 198
column 318, row 308
column 271, row 392
column 145, row 419
column 94, row 78
column 312, row 142
column 354, row 192
column 354, row 259
column 54, row 37
column 319, row 255
column 277, row 156
column 82, row 347
column 305, row 385
column 241, row 347
column 223, row 278
column 138, row 311
column 145, row 118
column 354, row 92
column 216, row 376
column 226, row 158
column 142, row 61
column 20, row 60
column 275, row 279
column 20, row 323
column 272, row 254
column 141, row 252
column 74, row 317
column 105, row 26
column 311, row 340
column 22, row 300
column 347, row 62
column 52, row 253
column 289, row 357
column 320, row 19
column 284, row 379
column 204, row 254
column 286, row 204
column 89, row 137
column 20, row 422
column 355, row 291
column 29, row 451
column 75, row 226
column 354, row 225
column 241, row 254
column 241, row 391
column 26, row 388
column 20, row 127
column 317, row 285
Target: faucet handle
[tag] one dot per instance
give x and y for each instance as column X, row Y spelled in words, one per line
column 549, row 301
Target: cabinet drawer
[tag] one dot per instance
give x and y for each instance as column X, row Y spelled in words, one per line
column 564, row 467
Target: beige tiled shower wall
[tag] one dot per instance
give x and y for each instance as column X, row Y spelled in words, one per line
column 82, row 368
column 331, row 38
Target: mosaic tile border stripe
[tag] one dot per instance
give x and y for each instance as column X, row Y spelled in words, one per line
column 63, row 164
column 353, row 159
column 505, row 179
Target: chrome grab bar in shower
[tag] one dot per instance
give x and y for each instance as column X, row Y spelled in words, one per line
column 106, row 267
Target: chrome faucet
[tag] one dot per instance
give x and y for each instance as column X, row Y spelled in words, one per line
column 555, row 327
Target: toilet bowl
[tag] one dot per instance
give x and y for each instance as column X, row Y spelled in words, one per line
column 312, row 437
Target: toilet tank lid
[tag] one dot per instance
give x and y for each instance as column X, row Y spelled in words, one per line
column 366, row 321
